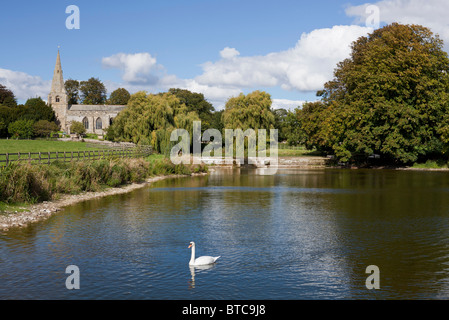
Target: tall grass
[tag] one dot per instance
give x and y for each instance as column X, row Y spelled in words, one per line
column 25, row 183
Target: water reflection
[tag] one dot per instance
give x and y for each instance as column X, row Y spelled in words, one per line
column 197, row 269
column 297, row 234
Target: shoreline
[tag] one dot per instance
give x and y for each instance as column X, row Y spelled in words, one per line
column 43, row 210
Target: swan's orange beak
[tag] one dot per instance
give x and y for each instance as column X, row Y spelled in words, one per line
column 189, row 246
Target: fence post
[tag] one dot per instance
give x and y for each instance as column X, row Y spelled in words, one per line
column 29, row 157
column 49, row 156
column 39, row 157
column 7, row 158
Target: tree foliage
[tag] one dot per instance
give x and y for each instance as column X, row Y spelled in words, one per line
column 72, row 88
column 251, row 111
column 77, row 127
column 37, row 109
column 93, row 91
column 22, row 129
column 119, row 96
column 390, row 98
column 44, row 128
column 150, row 118
column 7, row 97
column 195, row 102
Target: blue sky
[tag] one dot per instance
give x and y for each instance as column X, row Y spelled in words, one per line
column 220, row 48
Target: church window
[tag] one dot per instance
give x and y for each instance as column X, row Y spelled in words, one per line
column 98, row 124
column 86, row 123
column 57, row 98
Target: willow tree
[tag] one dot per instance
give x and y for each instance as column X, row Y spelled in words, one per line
column 251, row 111
column 389, row 97
column 149, row 119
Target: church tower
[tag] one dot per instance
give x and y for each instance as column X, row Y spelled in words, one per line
column 58, row 96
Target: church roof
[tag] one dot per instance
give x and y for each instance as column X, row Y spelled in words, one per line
column 94, row 107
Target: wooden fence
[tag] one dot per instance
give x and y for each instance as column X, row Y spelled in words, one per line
column 67, row 156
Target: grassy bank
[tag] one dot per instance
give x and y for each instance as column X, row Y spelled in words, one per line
column 14, row 146
column 25, row 183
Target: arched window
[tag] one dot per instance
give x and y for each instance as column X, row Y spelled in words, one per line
column 57, row 98
column 98, row 124
column 110, row 121
column 86, row 123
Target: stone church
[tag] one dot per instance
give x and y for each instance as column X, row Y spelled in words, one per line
column 95, row 118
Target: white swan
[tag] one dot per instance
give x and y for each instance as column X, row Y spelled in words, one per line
column 200, row 261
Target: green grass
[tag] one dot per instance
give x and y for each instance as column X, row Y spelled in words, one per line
column 25, row 146
column 431, row 164
column 6, row 208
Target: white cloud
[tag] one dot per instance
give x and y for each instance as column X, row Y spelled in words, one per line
column 430, row 13
column 229, row 53
column 305, row 67
column 286, row 104
column 23, row 85
column 135, row 67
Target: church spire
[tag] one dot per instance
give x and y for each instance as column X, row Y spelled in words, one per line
column 57, row 85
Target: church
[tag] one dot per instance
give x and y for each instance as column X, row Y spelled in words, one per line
column 95, row 118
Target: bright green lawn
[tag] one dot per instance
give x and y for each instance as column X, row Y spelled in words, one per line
column 25, row 146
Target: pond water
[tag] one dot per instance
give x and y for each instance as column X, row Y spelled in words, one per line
column 299, row 234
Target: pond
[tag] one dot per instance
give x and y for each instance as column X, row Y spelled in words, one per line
column 299, row 234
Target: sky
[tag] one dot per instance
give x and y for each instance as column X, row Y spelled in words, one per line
column 219, row 48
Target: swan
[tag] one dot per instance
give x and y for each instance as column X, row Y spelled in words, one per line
column 200, row 261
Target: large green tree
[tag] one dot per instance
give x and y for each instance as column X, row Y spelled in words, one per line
column 72, row 88
column 93, row 91
column 251, row 111
column 389, row 97
column 7, row 97
column 37, row 109
column 150, row 118
column 119, row 96
column 195, row 102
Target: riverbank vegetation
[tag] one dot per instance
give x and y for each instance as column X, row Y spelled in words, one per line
column 25, row 183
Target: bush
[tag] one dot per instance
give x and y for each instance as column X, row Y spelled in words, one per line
column 44, row 128
column 22, row 129
column 78, row 128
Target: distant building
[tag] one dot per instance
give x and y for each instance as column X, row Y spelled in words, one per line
column 95, row 118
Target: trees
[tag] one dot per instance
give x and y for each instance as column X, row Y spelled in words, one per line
column 251, row 111
column 150, row 118
column 37, row 109
column 195, row 102
column 119, row 96
column 7, row 97
column 93, row 91
column 390, row 97
column 72, row 88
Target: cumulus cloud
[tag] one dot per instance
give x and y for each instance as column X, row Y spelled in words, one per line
column 430, row 13
column 229, row 53
column 286, row 104
column 23, row 85
column 135, row 67
column 305, row 67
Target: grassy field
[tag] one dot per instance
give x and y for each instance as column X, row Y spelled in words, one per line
column 25, row 146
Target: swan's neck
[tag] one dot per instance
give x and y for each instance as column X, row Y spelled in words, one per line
column 192, row 257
